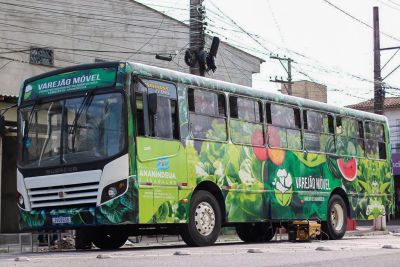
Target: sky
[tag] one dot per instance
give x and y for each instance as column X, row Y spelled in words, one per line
column 330, row 41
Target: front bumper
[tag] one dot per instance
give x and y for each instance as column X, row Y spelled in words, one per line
column 64, row 218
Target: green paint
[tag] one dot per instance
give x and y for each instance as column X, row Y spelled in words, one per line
column 258, row 183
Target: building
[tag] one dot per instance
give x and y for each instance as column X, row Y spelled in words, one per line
column 307, row 89
column 43, row 35
column 392, row 112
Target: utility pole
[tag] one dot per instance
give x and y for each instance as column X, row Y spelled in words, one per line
column 196, row 35
column 379, row 93
column 288, row 70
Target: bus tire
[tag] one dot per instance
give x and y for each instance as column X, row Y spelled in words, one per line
column 109, row 238
column 255, row 232
column 335, row 225
column 83, row 239
column 204, row 220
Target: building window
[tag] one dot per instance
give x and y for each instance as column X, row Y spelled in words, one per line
column 41, row 56
column 100, row 60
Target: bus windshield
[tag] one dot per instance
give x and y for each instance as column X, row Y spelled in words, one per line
column 69, row 131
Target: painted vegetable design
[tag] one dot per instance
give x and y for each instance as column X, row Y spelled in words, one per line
column 277, row 156
column 348, row 168
column 257, row 140
column 283, row 187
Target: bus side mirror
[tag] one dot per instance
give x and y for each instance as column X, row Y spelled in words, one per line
column 153, row 103
column 2, row 125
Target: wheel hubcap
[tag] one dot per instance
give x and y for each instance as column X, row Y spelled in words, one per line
column 337, row 217
column 204, row 218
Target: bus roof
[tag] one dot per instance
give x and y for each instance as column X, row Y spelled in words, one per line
column 189, row 79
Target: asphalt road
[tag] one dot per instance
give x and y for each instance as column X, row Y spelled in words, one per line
column 350, row 251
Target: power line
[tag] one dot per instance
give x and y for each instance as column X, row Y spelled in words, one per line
column 359, row 20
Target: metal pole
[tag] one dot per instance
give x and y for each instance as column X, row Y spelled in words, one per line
column 289, row 77
column 196, row 33
column 379, row 94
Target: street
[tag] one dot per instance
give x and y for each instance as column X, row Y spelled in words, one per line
column 376, row 250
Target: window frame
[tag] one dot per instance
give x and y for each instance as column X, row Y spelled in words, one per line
column 345, row 136
column 288, row 105
column 145, row 105
column 324, row 133
column 384, row 136
column 190, row 134
column 33, row 59
column 89, row 165
column 262, row 119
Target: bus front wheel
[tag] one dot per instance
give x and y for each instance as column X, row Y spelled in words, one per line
column 255, row 232
column 335, row 225
column 109, row 239
column 83, row 239
column 204, row 220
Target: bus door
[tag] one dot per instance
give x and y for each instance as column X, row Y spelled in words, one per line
column 160, row 157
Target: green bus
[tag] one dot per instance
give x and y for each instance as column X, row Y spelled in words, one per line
column 122, row 149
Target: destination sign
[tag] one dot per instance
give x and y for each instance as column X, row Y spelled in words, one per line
column 70, row 81
column 157, row 87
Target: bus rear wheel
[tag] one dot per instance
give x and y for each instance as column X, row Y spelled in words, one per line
column 204, row 220
column 255, row 232
column 109, row 238
column 335, row 225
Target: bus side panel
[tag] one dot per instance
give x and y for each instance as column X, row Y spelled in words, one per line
column 161, row 173
column 301, row 184
column 236, row 171
column 371, row 192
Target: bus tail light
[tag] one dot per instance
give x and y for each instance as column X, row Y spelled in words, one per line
column 114, row 190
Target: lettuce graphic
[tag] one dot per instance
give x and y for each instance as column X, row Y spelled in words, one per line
column 375, row 209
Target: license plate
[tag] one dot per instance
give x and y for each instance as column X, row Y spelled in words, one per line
column 61, row 220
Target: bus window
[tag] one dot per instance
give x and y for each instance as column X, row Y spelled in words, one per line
column 139, row 114
column 207, row 114
column 375, row 140
column 163, row 123
column 246, row 121
column 318, row 131
column 349, row 137
column 284, row 128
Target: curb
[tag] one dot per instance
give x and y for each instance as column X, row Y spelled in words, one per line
column 366, row 233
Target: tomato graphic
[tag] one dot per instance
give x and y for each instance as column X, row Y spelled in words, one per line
column 257, row 140
column 276, row 155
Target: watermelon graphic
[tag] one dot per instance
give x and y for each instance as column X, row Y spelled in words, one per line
column 348, row 168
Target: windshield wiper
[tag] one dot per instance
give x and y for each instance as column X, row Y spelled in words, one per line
column 84, row 104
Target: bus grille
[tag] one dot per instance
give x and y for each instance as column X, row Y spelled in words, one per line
column 73, row 194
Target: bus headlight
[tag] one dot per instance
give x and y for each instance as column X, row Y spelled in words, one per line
column 20, row 200
column 114, row 190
